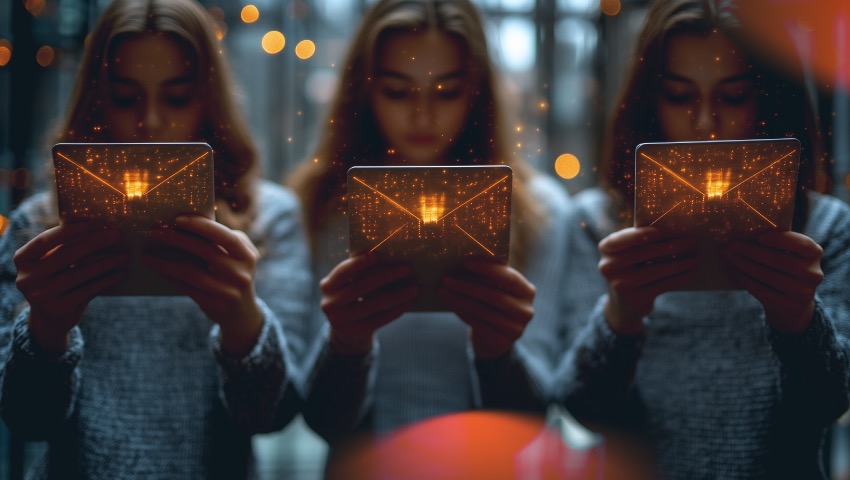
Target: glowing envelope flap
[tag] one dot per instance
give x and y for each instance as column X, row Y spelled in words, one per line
column 135, row 187
column 431, row 217
column 718, row 190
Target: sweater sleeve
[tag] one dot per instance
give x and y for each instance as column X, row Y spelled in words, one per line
column 815, row 364
column 258, row 390
column 38, row 387
column 339, row 391
column 595, row 375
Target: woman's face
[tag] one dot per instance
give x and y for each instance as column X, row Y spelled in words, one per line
column 152, row 93
column 707, row 91
column 420, row 96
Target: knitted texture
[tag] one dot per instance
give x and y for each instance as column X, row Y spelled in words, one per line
column 713, row 389
column 145, row 390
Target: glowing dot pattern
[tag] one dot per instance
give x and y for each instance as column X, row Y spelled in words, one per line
column 133, row 186
column 273, row 42
column 305, row 49
column 430, row 218
column 434, row 211
column 720, row 188
column 250, row 14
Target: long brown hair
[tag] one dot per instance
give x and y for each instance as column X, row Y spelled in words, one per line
column 224, row 126
column 351, row 135
column 784, row 108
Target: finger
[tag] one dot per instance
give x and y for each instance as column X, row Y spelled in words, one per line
column 55, row 249
column 791, row 242
column 628, row 238
column 47, row 240
column 235, row 244
column 347, row 271
column 654, row 276
column 650, row 260
column 501, row 277
column 759, row 260
column 484, row 318
column 778, row 276
column 169, row 238
column 354, row 309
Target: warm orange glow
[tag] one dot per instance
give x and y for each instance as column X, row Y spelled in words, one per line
column 4, row 224
column 135, row 184
column 5, row 53
column 305, row 49
column 220, row 30
column 273, row 42
column 432, row 207
column 45, row 55
column 250, row 14
column 717, row 182
column 35, row 7
column 610, row 7
column 567, row 166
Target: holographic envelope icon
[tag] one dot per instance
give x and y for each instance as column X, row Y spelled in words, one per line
column 134, row 187
column 718, row 190
column 430, row 217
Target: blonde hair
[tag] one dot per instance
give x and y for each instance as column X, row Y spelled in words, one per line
column 351, row 135
column 223, row 127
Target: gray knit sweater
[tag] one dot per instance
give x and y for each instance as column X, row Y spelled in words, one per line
column 144, row 390
column 709, row 386
column 422, row 363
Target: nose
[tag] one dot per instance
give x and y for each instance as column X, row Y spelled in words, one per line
column 151, row 120
column 423, row 109
column 705, row 121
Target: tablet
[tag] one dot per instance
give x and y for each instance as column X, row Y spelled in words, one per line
column 432, row 217
column 717, row 190
column 134, row 187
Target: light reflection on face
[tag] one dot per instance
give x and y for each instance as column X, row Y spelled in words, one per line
column 707, row 91
column 152, row 92
column 421, row 95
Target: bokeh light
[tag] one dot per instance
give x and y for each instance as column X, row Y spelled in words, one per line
column 35, row 7
column 610, row 7
column 45, row 55
column 5, row 52
column 567, row 166
column 250, row 14
column 273, row 42
column 4, row 224
column 305, row 49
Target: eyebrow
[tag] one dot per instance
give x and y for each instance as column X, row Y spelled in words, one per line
column 678, row 78
column 176, row 81
column 457, row 74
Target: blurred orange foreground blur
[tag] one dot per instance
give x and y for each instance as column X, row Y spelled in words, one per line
column 475, row 445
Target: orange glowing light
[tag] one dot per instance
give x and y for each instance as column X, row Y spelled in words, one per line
column 305, row 49
column 220, row 30
column 5, row 54
column 273, row 42
column 432, row 207
column 717, row 182
column 567, row 166
column 135, row 183
column 610, row 7
column 4, row 224
column 45, row 55
column 35, row 7
column 250, row 14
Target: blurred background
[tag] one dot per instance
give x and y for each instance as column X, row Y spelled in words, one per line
column 563, row 60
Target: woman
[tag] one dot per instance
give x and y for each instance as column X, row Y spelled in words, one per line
column 418, row 88
column 731, row 384
column 154, row 387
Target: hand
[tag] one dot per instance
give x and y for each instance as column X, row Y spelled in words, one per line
column 60, row 271
column 782, row 270
column 495, row 300
column 214, row 266
column 359, row 296
column 640, row 264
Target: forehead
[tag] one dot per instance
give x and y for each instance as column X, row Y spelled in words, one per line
column 707, row 57
column 149, row 57
column 421, row 56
